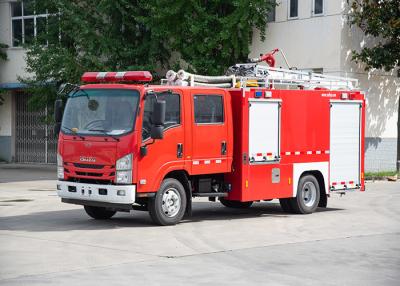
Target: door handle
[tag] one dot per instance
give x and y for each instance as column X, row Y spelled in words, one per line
column 179, row 150
column 223, row 148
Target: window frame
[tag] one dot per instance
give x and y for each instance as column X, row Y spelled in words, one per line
column 23, row 17
column 169, row 127
column 223, row 109
column 289, row 6
column 313, row 9
column 137, row 110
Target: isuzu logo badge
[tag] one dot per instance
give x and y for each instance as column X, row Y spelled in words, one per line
column 87, row 159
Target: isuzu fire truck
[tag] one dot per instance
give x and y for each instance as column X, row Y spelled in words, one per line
column 278, row 134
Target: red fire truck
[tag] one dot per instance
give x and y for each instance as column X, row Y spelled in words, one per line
column 277, row 134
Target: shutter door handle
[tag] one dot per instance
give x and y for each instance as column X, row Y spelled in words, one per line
column 223, row 148
column 179, row 151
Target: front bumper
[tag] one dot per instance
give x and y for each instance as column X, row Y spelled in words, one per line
column 111, row 194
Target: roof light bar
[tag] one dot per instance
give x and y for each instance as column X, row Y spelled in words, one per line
column 143, row 76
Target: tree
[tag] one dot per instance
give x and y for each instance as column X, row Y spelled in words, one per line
column 137, row 34
column 209, row 35
column 3, row 54
column 89, row 35
column 379, row 19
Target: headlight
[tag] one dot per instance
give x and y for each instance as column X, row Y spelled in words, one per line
column 124, row 163
column 124, row 170
column 60, row 167
column 123, row 177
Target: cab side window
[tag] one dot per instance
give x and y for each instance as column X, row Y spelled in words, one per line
column 208, row 109
column 172, row 114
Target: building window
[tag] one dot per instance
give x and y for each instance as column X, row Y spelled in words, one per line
column 27, row 23
column 208, row 109
column 293, row 8
column 318, row 7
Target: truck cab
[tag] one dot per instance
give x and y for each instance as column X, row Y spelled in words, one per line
column 134, row 146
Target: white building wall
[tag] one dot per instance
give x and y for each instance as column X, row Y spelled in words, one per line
column 382, row 94
column 308, row 41
column 6, row 127
column 382, row 88
column 10, row 71
column 15, row 65
column 5, row 115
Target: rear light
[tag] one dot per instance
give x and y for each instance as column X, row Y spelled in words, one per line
column 142, row 76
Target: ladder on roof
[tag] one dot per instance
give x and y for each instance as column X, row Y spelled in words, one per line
column 273, row 77
column 253, row 75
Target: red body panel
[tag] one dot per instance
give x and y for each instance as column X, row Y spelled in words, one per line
column 305, row 138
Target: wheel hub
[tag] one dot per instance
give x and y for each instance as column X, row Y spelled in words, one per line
column 171, row 202
column 309, row 194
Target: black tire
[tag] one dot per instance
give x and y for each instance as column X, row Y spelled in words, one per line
column 323, row 201
column 235, row 204
column 308, row 194
column 171, row 190
column 99, row 212
column 286, row 206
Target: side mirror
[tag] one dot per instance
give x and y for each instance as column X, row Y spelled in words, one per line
column 158, row 117
column 157, row 132
column 57, row 128
column 58, row 110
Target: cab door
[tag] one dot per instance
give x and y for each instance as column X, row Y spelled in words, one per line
column 165, row 154
column 209, row 132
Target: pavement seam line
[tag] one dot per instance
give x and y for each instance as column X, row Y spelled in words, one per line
column 280, row 244
column 210, row 252
column 79, row 244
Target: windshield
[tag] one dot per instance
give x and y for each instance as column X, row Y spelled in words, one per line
column 100, row 111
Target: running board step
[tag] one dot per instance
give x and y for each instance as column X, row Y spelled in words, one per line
column 210, row 194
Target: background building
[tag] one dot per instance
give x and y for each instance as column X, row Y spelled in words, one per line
column 24, row 136
column 314, row 34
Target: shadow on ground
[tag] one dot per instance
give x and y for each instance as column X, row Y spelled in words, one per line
column 77, row 219
column 20, row 173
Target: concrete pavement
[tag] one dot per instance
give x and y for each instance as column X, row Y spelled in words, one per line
column 355, row 241
column 26, row 172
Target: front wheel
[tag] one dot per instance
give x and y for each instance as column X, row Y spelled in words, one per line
column 99, row 212
column 235, row 204
column 169, row 204
column 308, row 195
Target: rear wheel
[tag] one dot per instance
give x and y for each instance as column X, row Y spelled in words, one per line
column 323, row 201
column 169, row 204
column 99, row 212
column 308, row 194
column 235, row 204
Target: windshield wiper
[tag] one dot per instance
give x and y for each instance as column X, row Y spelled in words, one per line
column 82, row 90
column 105, row 133
column 74, row 132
